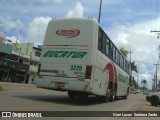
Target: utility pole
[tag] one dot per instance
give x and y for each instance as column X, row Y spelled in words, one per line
column 158, row 33
column 130, row 52
column 137, row 77
column 100, row 6
column 131, row 81
column 156, row 76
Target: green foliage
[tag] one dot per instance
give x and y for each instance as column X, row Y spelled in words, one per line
column 143, row 88
column 133, row 66
column 124, row 52
column 134, row 84
column 1, row 88
column 144, row 82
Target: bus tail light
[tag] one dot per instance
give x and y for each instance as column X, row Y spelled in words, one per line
column 88, row 72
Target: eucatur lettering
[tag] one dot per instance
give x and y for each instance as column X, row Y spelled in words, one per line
column 65, row 54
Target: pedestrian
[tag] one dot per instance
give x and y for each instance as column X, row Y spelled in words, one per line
column 32, row 80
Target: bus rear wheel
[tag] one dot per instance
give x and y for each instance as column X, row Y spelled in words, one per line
column 107, row 96
column 113, row 94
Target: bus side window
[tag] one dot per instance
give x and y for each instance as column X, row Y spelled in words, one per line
column 111, row 50
column 124, row 64
column 100, row 40
column 104, row 43
column 121, row 61
column 128, row 67
column 107, row 46
column 114, row 53
column 117, row 56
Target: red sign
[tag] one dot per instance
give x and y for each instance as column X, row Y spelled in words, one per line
column 68, row 33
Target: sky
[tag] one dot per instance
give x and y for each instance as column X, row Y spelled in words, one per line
column 128, row 23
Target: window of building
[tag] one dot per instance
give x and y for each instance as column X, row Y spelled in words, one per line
column 37, row 53
column 35, row 64
column 20, row 60
column 31, row 62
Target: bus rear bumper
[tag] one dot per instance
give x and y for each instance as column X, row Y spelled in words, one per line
column 64, row 84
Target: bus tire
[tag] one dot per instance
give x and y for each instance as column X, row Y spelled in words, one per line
column 107, row 96
column 113, row 94
column 82, row 95
column 71, row 94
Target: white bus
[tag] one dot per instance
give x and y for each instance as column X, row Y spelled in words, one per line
column 80, row 58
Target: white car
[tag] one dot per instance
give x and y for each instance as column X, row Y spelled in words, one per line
column 135, row 91
column 153, row 98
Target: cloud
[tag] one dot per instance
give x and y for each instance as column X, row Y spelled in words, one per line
column 58, row 1
column 77, row 11
column 138, row 39
column 10, row 24
column 36, row 29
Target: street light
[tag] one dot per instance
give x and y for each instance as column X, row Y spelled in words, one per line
column 99, row 17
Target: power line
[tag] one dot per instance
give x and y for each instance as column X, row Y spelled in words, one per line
column 158, row 33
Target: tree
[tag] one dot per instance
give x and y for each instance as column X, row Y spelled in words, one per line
column 144, row 84
column 124, row 52
column 133, row 66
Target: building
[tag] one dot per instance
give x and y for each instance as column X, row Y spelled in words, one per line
column 23, row 61
column 4, row 67
column 34, row 64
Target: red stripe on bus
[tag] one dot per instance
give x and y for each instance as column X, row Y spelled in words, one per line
column 112, row 72
column 69, row 45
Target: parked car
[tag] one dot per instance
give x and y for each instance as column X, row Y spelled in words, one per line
column 135, row 91
column 153, row 98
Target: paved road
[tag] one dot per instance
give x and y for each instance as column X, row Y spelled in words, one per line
column 26, row 97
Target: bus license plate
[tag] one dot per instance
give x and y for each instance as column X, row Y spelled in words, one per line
column 59, row 84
